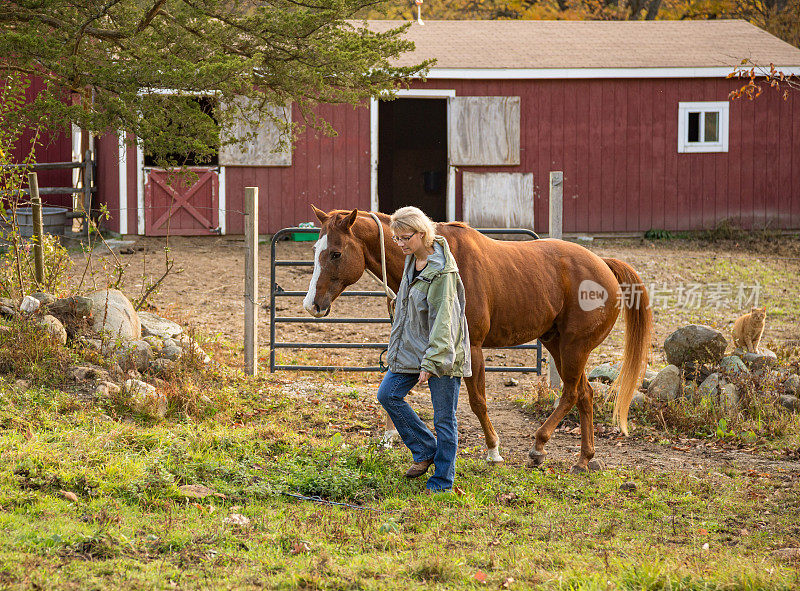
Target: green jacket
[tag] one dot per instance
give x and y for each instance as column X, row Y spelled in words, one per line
column 429, row 331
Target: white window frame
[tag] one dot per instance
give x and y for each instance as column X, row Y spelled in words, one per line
column 684, row 145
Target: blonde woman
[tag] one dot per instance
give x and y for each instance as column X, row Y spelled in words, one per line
column 428, row 344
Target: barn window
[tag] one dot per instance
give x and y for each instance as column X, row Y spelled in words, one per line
column 703, row 127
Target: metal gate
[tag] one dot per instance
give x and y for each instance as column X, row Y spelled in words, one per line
column 276, row 291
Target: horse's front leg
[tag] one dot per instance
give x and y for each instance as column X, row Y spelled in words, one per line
column 476, row 387
column 390, row 432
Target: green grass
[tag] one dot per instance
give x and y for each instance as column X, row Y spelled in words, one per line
column 131, row 527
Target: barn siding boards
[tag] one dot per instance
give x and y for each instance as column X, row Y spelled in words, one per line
column 484, row 131
column 108, row 168
column 498, row 200
column 264, row 148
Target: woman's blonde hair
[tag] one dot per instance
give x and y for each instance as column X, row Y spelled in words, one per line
column 413, row 219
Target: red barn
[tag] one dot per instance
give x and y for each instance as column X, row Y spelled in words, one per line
column 635, row 114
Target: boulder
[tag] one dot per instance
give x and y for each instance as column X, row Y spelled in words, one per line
column 171, row 350
column 649, row 374
column 695, row 372
column 666, row 385
column 605, row 372
column 29, row 304
column 638, row 401
column 695, row 342
column 75, row 306
column 113, row 314
column 162, row 365
column 729, row 395
column 792, row 385
column 764, row 359
column 107, row 389
column 732, row 365
column 55, row 328
column 710, row 387
column 157, row 326
column 155, row 342
column 88, row 372
column 790, row 402
column 145, row 399
column 136, row 354
column 45, row 299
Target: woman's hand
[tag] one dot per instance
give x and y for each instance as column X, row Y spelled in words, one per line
column 423, row 377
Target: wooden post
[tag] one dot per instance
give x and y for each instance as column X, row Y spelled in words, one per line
column 556, row 209
column 38, row 230
column 250, row 279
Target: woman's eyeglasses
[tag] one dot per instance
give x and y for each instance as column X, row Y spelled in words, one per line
column 403, row 239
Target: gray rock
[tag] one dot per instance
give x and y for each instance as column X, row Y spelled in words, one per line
column 792, row 384
column 628, row 486
column 88, row 372
column 605, row 372
column 666, row 385
column 55, row 328
column 107, row 389
column 764, row 359
column 695, row 372
column 8, row 311
column 136, row 354
column 76, row 306
column 729, row 395
column 732, row 365
column 161, row 365
column 155, row 342
column 45, row 299
column 171, row 350
column 710, row 387
column 649, row 375
column 790, row 402
column 113, row 314
column 511, row 382
column 638, row 401
column 29, row 304
column 600, row 390
column 153, row 324
column 145, row 399
column 695, row 342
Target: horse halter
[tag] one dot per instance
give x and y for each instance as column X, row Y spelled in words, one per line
column 388, row 290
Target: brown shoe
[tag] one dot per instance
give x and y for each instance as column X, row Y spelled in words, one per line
column 417, row 469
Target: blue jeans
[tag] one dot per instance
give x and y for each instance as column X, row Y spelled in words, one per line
column 417, row 437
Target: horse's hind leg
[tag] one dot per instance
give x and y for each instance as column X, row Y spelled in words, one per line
column 586, row 411
column 476, row 387
column 570, row 362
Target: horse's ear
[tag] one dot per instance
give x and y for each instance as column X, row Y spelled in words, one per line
column 350, row 219
column 321, row 215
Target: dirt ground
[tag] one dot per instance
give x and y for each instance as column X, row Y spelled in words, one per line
column 206, row 292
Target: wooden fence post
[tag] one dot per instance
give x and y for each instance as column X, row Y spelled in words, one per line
column 38, row 230
column 250, row 280
column 556, row 209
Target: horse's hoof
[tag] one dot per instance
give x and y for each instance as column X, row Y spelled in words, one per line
column 537, row 457
column 592, row 466
column 494, row 457
column 387, row 438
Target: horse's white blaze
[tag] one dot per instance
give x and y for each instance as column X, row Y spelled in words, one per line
column 308, row 302
column 494, row 455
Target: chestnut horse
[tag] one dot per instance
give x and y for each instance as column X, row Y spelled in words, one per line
column 516, row 291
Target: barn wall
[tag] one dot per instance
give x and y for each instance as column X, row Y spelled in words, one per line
column 53, row 145
column 330, row 172
column 107, row 180
column 616, row 141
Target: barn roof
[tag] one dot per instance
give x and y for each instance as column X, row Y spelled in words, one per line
column 525, row 44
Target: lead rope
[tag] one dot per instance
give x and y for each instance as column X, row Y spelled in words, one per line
column 390, row 295
column 388, row 290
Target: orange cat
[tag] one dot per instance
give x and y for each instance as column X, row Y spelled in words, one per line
column 747, row 329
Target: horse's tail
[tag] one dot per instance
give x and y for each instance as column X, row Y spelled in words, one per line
column 638, row 333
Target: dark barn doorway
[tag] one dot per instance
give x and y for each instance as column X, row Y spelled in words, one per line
column 412, row 155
